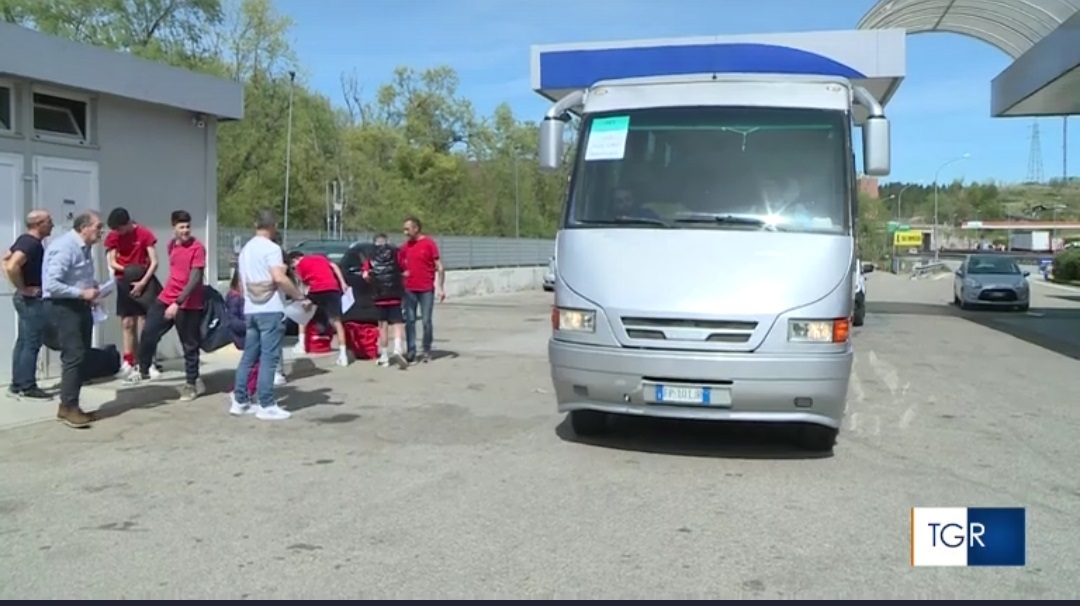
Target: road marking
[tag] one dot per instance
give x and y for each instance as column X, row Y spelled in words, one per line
column 1064, row 287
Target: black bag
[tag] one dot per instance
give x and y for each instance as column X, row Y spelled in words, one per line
column 215, row 332
column 134, row 273
column 100, row 363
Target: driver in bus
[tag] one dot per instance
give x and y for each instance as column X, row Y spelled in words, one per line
column 624, row 205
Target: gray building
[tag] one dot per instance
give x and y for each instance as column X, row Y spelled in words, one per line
column 83, row 127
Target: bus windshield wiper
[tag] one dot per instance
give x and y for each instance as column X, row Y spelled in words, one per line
column 724, row 219
column 624, row 221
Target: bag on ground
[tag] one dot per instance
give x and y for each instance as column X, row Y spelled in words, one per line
column 214, row 330
column 362, row 339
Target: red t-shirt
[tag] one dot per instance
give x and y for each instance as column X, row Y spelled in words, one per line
column 317, row 272
column 366, row 267
column 183, row 257
column 418, row 257
column 131, row 247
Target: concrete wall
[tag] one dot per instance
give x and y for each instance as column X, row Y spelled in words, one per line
column 459, row 284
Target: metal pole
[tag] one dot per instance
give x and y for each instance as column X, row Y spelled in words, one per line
column 517, row 198
column 934, row 236
column 326, row 199
column 288, row 160
column 1064, row 151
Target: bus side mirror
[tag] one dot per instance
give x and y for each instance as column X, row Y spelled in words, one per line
column 876, row 146
column 551, row 144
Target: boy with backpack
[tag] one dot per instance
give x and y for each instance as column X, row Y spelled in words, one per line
column 383, row 271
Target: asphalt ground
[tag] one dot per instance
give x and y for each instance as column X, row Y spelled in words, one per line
column 458, row 479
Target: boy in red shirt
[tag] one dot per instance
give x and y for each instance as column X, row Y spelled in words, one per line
column 325, row 286
column 180, row 304
column 130, row 249
column 421, row 264
column 383, row 271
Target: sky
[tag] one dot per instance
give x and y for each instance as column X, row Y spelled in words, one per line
column 941, row 112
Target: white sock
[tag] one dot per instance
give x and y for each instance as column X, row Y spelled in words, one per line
column 397, row 346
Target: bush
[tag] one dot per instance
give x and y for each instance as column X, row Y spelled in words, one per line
column 1066, row 265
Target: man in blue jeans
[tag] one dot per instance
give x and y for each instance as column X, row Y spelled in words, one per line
column 420, row 262
column 264, row 283
column 22, row 264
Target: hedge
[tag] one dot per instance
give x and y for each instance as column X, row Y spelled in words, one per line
column 1066, row 265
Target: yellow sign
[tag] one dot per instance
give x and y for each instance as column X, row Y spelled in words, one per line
column 908, row 239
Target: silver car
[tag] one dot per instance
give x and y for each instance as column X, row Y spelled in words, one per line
column 991, row 280
column 549, row 276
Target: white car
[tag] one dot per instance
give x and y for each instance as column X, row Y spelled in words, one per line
column 549, row 276
column 858, row 316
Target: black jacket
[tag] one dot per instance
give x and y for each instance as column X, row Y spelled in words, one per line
column 385, row 272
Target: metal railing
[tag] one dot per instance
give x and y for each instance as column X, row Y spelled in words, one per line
column 457, row 252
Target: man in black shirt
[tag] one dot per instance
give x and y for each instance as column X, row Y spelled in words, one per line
column 22, row 264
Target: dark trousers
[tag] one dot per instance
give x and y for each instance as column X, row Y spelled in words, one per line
column 74, row 325
column 188, row 325
column 24, row 359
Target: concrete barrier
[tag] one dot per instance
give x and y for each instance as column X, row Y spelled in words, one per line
column 459, row 283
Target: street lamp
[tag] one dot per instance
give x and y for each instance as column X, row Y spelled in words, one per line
column 900, row 200
column 934, row 236
column 288, row 159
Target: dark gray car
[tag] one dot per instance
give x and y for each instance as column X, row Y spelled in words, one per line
column 990, row 280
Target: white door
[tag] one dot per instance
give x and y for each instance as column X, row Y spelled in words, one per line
column 11, row 201
column 66, row 188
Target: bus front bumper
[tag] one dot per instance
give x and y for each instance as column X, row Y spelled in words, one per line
column 748, row 387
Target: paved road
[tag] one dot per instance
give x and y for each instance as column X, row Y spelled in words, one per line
column 457, row 479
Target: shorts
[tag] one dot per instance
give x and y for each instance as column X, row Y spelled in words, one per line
column 391, row 314
column 126, row 305
column 329, row 302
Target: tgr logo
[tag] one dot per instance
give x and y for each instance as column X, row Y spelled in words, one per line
column 968, row 536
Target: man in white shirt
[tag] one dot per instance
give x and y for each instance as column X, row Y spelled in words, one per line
column 264, row 284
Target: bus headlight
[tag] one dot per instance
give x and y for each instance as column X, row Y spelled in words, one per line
column 819, row 331
column 573, row 320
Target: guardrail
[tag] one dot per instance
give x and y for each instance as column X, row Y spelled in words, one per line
column 457, row 252
column 928, row 269
column 1022, row 257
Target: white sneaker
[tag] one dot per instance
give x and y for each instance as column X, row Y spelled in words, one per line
column 343, row 359
column 298, row 349
column 154, row 372
column 279, row 379
column 125, row 369
column 384, row 361
column 236, row 408
column 271, row 413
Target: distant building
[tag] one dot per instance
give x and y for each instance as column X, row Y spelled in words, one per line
column 868, row 186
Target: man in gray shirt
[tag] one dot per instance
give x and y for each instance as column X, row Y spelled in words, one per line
column 69, row 287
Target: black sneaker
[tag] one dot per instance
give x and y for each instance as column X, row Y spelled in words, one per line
column 36, row 393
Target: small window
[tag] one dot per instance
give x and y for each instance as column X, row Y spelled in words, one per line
column 6, row 116
column 59, row 116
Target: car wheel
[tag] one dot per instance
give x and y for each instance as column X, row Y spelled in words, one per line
column 1023, row 308
column 548, row 288
column 859, row 315
column 588, row 422
column 817, row 438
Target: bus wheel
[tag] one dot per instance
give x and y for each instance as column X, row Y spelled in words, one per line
column 588, row 422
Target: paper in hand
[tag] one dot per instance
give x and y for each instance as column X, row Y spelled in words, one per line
column 347, row 300
column 99, row 315
column 107, row 288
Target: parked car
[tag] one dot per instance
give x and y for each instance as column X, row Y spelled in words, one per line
column 349, row 256
column 549, row 276
column 987, row 280
column 858, row 315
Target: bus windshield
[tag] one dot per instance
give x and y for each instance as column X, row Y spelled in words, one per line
column 715, row 168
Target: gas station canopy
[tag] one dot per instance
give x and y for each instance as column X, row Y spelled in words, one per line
column 873, row 59
column 1042, row 37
